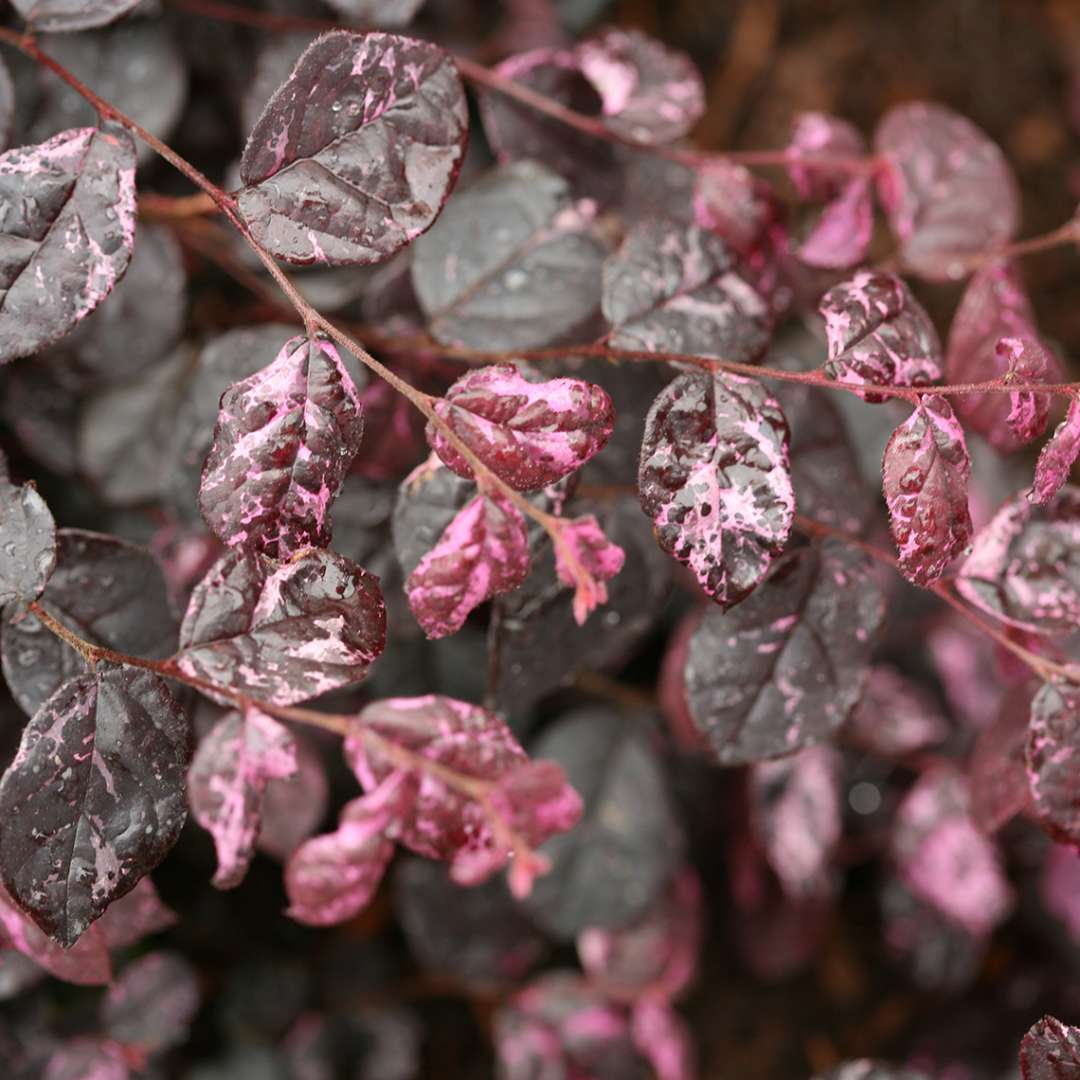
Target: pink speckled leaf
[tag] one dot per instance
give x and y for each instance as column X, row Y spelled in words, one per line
column 356, row 152
column 879, row 334
column 283, row 633
column 83, row 826
column 333, row 877
column 585, row 559
column 1026, row 361
column 795, row 813
column 895, row 715
column 151, row 1004
column 676, row 288
column 530, row 434
column 1024, row 568
column 1053, row 745
column 648, row 92
column 1050, row 1051
column 715, row 479
column 63, row 16
column 783, row 669
column 1057, row 457
column 948, row 190
column 226, row 782
column 86, row 1058
column 27, row 543
column 1059, row 887
column 925, row 475
column 284, row 439
column 664, row 1039
column 483, row 552
column 67, row 208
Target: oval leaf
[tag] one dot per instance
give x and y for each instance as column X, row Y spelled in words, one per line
column 27, row 543
column 1053, row 743
column 152, row 1003
column 1050, row 1051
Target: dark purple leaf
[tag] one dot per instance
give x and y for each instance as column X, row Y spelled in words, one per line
column 356, row 152
column 27, row 543
column 275, row 57
column 52, row 16
column 925, row 475
column 895, row 715
column 284, row 439
column 879, row 334
column 677, row 289
column 1057, row 457
column 87, row 1059
column 283, row 634
column 151, row 1004
column 378, row 12
column 783, row 669
column 530, row 434
column 1052, row 744
column 1050, row 1051
column 95, row 797
column 1024, row 568
column 226, row 782
column 110, row 593
column 512, row 264
column 715, row 479
column 948, row 190
column 293, row 809
column 998, row 767
column 864, row 1069
column 68, row 211
column 585, row 559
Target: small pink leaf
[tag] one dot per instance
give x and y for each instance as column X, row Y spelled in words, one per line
column 948, row 190
column 152, row 1003
column 815, row 138
column 879, row 334
column 483, row 552
column 1026, row 362
column 292, row 809
column 715, row 479
column 842, row 234
column 530, row 434
column 925, row 474
column 664, row 1039
column 27, row 543
column 283, row 442
column 1053, row 749
column 356, row 152
column 584, row 559
column 226, row 782
column 1050, row 1051
column 1057, row 457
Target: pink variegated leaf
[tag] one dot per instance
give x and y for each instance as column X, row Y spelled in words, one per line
column 842, row 233
column 948, row 190
column 1059, row 887
column 925, row 474
column 734, row 203
column 895, row 715
column 1050, row 1051
column 283, row 633
column 714, row 477
column 879, row 334
column 1026, row 362
column 483, row 552
column 1024, row 568
column 282, row 445
column 27, row 543
column 1057, row 457
column 292, row 809
column 129, row 919
column 226, row 782
column 530, row 434
column 356, row 152
column 1053, row 749
column 87, row 1058
column 151, row 1004
column 585, row 559
column 664, row 1039
column 815, row 138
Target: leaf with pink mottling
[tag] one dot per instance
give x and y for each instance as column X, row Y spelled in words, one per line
column 1053, row 743
column 783, row 669
column 841, row 235
column 948, row 190
column 1024, row 568
column 879, row 334
column 895, row 715
column 734, row 203
column 1050, row 1051
column 283, row 633
column 815, row 138
column 152, row 1002
column 1027, row 362
column 1057, row 457
column 714, row 477
column 226, row 782
column 585, row 559
column 925, row 474
column 64, row 16
column 68, row 212
column 664, row 1039
column 292, row 809
column 129, row 919
column 85, row 1058
column 677, row 289
column 530, row 434
column 356, row 152
column 283, row 443
column 27, row 543
column 82, row 827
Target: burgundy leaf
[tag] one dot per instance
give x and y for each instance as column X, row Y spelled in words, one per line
column 378, row 12
column 1059, row 887
column 948, row 190
column 1024, row 568
column 1052, row 744
column 87, row 1059
column 355, row 154
column 61, row 16
column 226, row 782
column 68, row 211
column 664, row 1039
column 925, row 475
column 530, row 434
column 287, row 633
column 284, row 439
column 783, row 669
column 895, row 715
column 27, row 543
column 879, row 334
column 512, row 264
column 714, row 477
column 1057, row 457
column 1050, row 1051
column 677, row 289
column 585, row 559
column 151, row 1004
column 998, row 769
column 94, row 799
